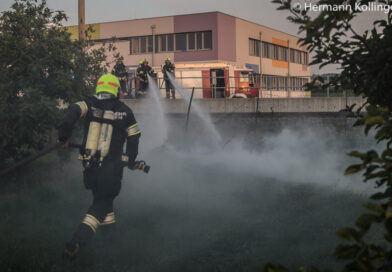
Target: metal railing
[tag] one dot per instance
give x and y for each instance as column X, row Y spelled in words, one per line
column 220, row 89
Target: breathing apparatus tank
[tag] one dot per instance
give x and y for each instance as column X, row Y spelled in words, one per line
column 105, row 136
column 94, row 131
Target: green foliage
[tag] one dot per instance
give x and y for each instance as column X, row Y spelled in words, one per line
column 39, row 66
column 364, row 60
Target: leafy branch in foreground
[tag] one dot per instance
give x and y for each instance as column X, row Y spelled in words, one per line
column 364, row 60
column 40, row 65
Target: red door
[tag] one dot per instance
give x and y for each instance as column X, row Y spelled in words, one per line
column 227, row 83
column 254, row 91
column 206, row 83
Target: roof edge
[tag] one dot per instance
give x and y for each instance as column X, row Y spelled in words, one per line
column 197, row 13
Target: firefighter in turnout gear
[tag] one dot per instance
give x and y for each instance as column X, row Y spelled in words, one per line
column 168, row 68
column 107, row 124
column 121, row 73
column 142, row 71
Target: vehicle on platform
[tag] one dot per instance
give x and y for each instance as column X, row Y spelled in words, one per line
column 219, row 80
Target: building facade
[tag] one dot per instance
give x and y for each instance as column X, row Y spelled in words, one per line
column 208, row 41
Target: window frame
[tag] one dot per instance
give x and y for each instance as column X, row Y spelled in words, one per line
column 254, row 47
column 160, row 38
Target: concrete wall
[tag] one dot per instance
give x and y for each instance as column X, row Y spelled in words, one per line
column 294, row 105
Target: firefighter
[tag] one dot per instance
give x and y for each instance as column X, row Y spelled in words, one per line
column 121, row 73
column 142, row 71
column 107, row 124
column 168, row 68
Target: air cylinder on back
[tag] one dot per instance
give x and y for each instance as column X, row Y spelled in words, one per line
column 93, row 135
column 105, row 135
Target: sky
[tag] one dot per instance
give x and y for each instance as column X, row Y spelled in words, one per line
column 259, row 11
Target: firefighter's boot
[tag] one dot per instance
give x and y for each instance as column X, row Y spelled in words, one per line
column 81, row 238
column 70, row 251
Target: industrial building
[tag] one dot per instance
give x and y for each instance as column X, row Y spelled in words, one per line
column 218, row 54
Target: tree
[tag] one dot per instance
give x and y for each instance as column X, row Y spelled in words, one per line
column 39, row 66
column 365, row 62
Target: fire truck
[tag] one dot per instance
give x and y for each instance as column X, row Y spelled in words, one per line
column 215, row 80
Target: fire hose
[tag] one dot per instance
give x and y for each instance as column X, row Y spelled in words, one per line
column 139, row 165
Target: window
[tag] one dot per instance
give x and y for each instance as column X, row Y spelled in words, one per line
column 162, row 43
column 134, row 43
column 282, row 53
column 149, row 47
column 254, row 47
column 143, row 44
column 207, row 40
column 271, row 82
column 191, row 41
column 244, row 77
column 266, row 50
column 292, row 55
column 139, row 45
column 199, row 40
column 251, row 47
column 298, row 57
column 305, row 58
column 170, row 42
column 274, row 51
column 180, row 42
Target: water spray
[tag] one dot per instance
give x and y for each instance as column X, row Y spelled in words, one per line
column 158, row 125
column 198, row 110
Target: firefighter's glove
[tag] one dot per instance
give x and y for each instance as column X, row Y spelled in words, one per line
column 132, row 165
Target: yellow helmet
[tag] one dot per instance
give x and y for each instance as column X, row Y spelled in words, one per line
column 168, row 59
column 141, row 62
column 108, row 83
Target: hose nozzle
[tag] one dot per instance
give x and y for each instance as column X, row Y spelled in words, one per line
column 141, row 165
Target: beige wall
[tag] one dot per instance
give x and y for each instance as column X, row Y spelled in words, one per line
column 136, row 27
column 246, row 30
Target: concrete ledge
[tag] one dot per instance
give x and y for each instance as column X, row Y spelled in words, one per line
column 240, row 105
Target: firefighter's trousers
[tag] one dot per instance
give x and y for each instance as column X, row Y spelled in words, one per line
column 123, row 85
column 169, row 86
column 143, row 85
column 105, row 184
